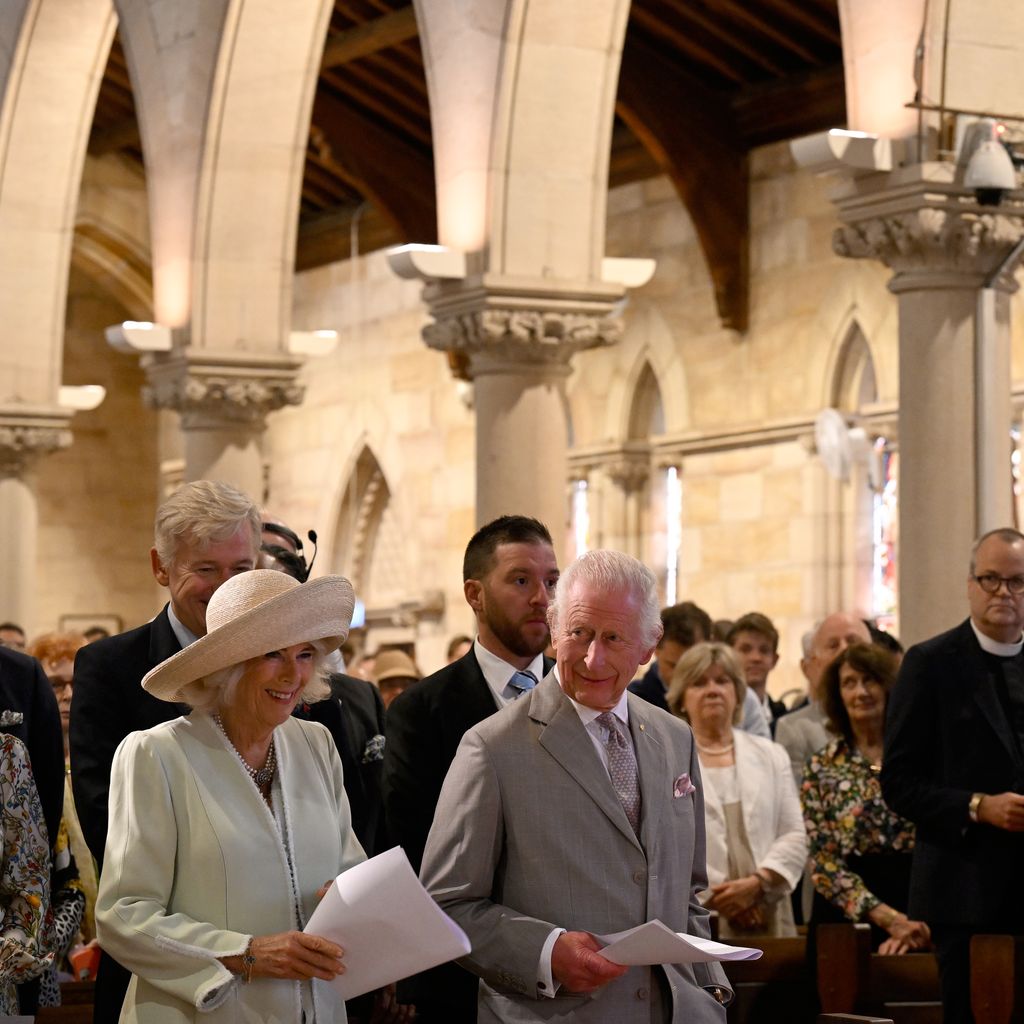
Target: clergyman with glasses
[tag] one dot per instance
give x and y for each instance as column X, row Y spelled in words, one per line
column 954, row 765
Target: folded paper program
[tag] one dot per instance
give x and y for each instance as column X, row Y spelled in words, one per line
column 387, row 924
column 655, row 943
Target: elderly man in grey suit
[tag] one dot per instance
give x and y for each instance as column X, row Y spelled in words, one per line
column 802, row 732
column 574, row 813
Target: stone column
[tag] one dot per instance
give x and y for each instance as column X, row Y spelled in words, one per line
column 516, row 344
column 630, row 472
column 223, row 400
column 954, row 409
column 25, row 435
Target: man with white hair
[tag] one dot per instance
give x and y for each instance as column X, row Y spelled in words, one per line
column 577, row 812
column 802, row 732
column 205, row 533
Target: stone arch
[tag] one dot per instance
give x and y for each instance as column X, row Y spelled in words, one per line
column 115, row 263
column 647, row 412
column 225, row 87
column 854, row 382
column 522, row 97
column 49, row 79
column 857, row 299
column 649, row 345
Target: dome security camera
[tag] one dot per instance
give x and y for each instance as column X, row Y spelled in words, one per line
column 989, row 171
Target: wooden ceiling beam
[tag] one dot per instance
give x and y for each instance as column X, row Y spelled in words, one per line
column 370, row 37
column 123, row 134
column 395, row 176
column 727, row 36
column 744, row 12
column 656, row 27
column 791, row 107
column 690, row 131
column 386, row 112
column 825, row 24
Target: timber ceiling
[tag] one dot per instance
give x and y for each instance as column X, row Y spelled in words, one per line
column 702, row 82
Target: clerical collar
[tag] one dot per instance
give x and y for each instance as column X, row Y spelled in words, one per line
column 991, row 646
column 181, row 631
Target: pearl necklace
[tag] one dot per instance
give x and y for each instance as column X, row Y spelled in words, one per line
column 262, row 776
column 715, row 750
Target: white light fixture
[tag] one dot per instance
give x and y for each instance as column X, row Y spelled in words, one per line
column 81, row 398
column 312, row 343
column 839, row 149
column 630, row 273
column 134, row 336
column 417, row 261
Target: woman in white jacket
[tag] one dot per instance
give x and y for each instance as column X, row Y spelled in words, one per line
column 756, row 842
column 225, row 825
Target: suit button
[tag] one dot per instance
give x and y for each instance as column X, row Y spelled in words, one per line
column 639, row 877
column 641, row 994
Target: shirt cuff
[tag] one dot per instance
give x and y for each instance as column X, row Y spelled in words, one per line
column 546, row 984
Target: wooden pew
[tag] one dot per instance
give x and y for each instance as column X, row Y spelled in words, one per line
column 997, row 978
column 76, row 1005
column 852, row 979
column 772, row 988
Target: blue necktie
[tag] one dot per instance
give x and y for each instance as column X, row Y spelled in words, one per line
column 522, row 682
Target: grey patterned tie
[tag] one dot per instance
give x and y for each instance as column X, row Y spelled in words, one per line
column 522, row 682
column 622, row 767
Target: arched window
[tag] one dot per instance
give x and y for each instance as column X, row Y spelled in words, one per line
column 866, row 509
column 369, row 548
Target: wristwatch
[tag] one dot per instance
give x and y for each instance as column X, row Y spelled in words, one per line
column 974, row 805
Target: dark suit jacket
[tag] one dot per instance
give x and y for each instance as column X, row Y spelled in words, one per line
column 425, row 725
column 948, row 736
column 354, row 714
column 25, row 690
column 108, row 703
column 650, row 688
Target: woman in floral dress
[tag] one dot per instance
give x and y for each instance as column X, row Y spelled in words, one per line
column 25, row 933
column 860, row 850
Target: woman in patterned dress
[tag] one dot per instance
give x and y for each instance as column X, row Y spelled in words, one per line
column 26, row 931
column 860, row 850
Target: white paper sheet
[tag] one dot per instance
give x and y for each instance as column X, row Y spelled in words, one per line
column 656, row 943
column 387, row 924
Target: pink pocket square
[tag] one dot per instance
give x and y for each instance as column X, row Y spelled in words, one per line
column 683, row 786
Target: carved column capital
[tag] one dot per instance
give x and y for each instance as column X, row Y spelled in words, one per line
column 28, row 434
column 629, row 468
column 489, row 328
column 927, row 228
column 218, row 389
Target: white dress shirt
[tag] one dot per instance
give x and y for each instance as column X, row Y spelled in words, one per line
column 498, row 673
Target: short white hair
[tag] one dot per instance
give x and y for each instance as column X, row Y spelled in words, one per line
column 606, row 570
column 204, row 512
column 212, row 692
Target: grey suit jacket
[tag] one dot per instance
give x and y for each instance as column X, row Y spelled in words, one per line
column 529, row 836
column 802, row 733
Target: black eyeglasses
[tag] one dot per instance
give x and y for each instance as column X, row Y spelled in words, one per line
column 991, row 583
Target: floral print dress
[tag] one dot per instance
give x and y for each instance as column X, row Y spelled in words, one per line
column 25, row 918
column 846, row 818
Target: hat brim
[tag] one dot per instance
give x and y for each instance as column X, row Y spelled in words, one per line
column 320, row 610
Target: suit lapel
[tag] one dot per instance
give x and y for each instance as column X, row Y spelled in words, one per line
column 566, row 739
column 652, row 762
column 162, row 644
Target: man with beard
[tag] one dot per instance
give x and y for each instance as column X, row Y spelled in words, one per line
column 509, row 574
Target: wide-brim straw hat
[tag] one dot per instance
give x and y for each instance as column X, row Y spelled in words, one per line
column 254, row 613
column 394, row 665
